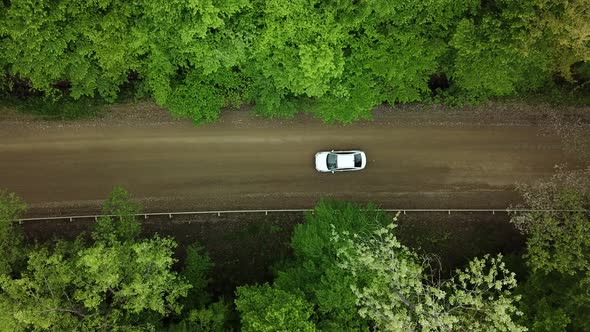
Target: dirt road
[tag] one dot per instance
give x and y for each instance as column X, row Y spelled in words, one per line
column 250, row 163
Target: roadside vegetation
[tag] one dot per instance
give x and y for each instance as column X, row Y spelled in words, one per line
column 336, row 60
column 348, row 270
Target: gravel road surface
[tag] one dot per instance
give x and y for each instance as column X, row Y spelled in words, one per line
column 246, row 162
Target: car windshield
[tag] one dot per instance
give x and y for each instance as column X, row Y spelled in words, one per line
column 332, row 161
column 357, row 160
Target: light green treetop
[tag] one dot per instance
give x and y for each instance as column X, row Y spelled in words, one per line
column 117, row 283
column 398, row 291
column 268, row 309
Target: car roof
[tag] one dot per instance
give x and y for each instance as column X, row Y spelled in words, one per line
column 345, row 161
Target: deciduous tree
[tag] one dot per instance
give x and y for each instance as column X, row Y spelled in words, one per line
column 118, row 286
column 196, row 271
column 11, row 236
column 555, row 293
column 568, row 25
column 396, row 289
column 557, row 240
column 265, row 308
column 119, row 222
column 498, row 53
column 315, row 271
column 117, row 282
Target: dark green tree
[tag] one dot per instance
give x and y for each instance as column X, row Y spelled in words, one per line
column 196, row 271
column 213, row 318
column 11, row 236
column 555, row 293
column 315, row 271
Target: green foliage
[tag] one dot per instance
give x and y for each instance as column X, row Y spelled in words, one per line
column 115, row 283
column 562, row 244
column 350, row 273
column 196, row 100
column 100, row 287
column 311, row 240
column 554, row 302
column 272, row 102
column 120, row 223
column 568, row 27
column 191, row 50
column 196, row 271
column 558, row 241
column 266, row 308
column 210, row 319
column 558, row 252
column 299, row 56
column 49, row 42
column 334, row 59
column 315, row 271
column 348, row 58
column 360, row 97
column 147, row 284
column 11, row 237
column 498, row 54
column 395, row 290
column 39, row 299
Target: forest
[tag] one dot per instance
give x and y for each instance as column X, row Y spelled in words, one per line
column 333, row 59
column 347, row 271
column 347, row 268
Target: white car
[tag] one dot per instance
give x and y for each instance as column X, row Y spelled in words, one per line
column 340, row 161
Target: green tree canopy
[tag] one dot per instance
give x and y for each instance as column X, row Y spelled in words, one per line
column 119, row 221
column 498, row 52
column 557, row 241
column 315, row 271
column 11, row 237
column 568, row 25
column 196, row 271
column 336, row 60
column 355, row 275
column 267, row 309
column 397, row 290
column 117, row 282
column 102, row 287
column 555, row 294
